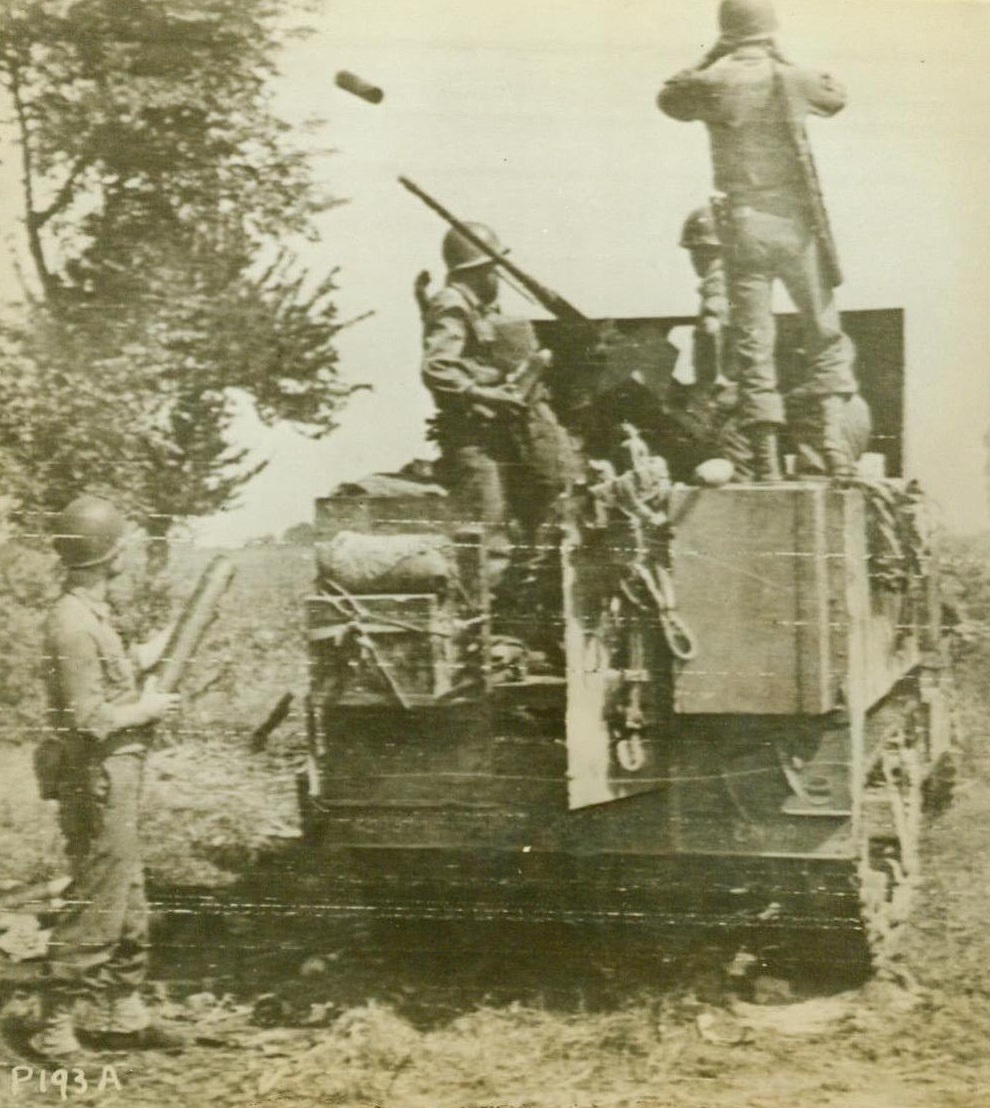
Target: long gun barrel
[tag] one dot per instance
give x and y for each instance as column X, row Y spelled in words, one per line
column 831, row 270
column 195, row 619
column 553, row 302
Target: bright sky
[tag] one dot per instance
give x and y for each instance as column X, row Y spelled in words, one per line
column 538, row 117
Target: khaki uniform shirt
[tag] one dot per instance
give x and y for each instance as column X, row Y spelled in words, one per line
column 738, row 99
column 90, row 675
column 458, row 341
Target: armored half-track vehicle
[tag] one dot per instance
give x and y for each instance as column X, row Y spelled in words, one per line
column 715, row 710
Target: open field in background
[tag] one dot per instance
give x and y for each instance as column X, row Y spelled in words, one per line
column 552, row 1023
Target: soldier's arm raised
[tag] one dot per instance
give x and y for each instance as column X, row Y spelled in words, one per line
column 684, row 96
column 823, row 93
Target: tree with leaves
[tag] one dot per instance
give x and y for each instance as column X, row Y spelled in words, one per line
column 162, row 200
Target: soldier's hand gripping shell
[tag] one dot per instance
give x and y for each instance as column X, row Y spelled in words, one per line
column 498, row 396
column 149, row 653
column 154, row 704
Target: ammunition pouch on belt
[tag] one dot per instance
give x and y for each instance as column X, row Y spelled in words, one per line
column 49, row 767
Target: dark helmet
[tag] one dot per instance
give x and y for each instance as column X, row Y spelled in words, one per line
column 460, row 253
column 742, row 19
column 88, row 532
column 699, row 230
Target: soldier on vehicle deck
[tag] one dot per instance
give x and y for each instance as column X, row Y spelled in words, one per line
column 772, row 221
column 700, row 423
column 706, row 411
column 504, row 454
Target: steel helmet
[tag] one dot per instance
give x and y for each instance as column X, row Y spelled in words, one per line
column 88, row 532
column 699, row 229
column 460, row 253
column 743, row 19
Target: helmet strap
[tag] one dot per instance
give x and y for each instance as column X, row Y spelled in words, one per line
column 476, row 278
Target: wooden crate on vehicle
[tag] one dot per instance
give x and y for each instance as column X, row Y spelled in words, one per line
column 391, row 650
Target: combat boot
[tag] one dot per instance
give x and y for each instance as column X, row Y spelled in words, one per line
column 124, row 1024
column 834, row 447
column 766, row 454
column 55, row 1041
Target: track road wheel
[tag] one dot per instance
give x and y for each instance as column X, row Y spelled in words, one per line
column 890, row 855
column 945, row 741
column 886, row 893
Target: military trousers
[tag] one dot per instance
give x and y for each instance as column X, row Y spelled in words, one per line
column 545, row 467
column 851, row 434
column 100, row 941
column 770, row 245
column 512, row 468
column 504, row 471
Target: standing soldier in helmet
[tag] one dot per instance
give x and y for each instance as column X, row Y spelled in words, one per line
column 93, row 766
column 701, row 423
column 708, row 408
column 504, row 455
column 772, row 220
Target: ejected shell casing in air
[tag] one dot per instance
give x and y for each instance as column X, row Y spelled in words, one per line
column 351, row 82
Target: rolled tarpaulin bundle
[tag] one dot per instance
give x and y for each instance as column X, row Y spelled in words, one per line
column 361, row 563
column 196, row 617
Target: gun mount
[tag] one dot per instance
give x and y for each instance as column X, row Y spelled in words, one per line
column 593, row 357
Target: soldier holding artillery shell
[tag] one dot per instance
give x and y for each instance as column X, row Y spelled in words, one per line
column 102, row 717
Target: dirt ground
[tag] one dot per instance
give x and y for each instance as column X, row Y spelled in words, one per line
column 290, row 1010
